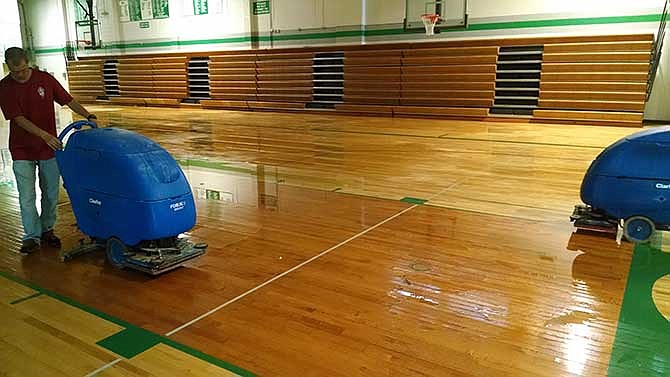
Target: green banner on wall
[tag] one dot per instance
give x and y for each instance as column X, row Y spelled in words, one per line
column 161, row 8
column 147, row 9
column 261, row 7
column 138, row 10
column 200, row 7
column 135, row 10
column 124, row 11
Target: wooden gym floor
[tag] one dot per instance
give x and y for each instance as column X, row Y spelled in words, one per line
column 350, row 246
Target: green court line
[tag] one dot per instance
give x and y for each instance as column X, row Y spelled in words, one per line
column 131, row 331
column 130, row 342
column 642, row 342
column 381, row 32
column 25, row 298
column 416, row 201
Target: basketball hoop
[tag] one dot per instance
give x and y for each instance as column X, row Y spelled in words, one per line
column 429, row 21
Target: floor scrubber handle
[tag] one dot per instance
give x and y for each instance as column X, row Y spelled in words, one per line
column 76, row 126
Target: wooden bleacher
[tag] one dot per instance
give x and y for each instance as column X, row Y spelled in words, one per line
column 372, row 81
column 232, row 81
column 170, row 84
column 284, row 80
column 449, row 78
column 595, row 82
column 435, row 82
column 153, row 81
column 85, row 79
column 589, row 79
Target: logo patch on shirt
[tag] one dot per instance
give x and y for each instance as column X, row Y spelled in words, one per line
column 41, row 92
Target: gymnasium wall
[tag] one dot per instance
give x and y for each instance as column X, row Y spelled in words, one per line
column 45, row 26
column 10, row 35
column 657, row 107
column 10, row 27
column 231, row 24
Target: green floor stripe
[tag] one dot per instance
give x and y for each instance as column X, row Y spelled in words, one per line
column 130, row 342
column 25, row 298
column 642, row 342
column 407, row 199
column 131, row 331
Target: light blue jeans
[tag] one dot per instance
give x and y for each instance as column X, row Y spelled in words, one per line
column 49, row 177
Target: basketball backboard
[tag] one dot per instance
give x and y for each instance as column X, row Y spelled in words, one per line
column 453, row 13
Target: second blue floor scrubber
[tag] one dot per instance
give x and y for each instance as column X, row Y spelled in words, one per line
column 629, row 183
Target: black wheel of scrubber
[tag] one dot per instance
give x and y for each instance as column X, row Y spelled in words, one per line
column 638, row 229
column 116, row 252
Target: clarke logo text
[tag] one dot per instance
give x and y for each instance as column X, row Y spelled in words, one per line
column 178, row 206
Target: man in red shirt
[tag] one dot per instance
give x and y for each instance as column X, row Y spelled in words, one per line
column 26, row 98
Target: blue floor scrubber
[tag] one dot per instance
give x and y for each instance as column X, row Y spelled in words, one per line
column 129, row 196
column 629, row 183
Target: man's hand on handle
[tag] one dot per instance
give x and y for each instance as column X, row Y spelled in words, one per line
column 52, row 141
column 92, row 118
column 48, row 138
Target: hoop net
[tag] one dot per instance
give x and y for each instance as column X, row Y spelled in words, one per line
column 429, row 21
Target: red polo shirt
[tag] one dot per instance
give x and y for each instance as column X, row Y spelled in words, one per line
column 34, row 100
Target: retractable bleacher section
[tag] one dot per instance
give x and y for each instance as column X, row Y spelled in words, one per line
column 582, row 80
column 85, row 79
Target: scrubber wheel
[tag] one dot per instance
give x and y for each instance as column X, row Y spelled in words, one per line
column 116, row 252
column 638, row 229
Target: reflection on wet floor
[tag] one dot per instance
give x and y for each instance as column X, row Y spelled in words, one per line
column 490, row 287
column 233, row 183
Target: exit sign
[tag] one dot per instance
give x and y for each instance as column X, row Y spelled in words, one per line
column 144, row 25
column 261, row 7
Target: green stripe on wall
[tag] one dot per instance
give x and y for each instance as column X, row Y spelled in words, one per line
column 565, row 22
column 49, row 50
column 382, row 32
column 180, row 43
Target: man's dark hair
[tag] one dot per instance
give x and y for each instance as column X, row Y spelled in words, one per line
column 15, row 55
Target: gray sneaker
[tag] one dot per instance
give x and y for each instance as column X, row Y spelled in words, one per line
column 29, row 246
column 49, row 239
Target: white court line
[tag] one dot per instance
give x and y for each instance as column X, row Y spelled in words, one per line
column 102, row 368
column 288, row 272
column 446, row 189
